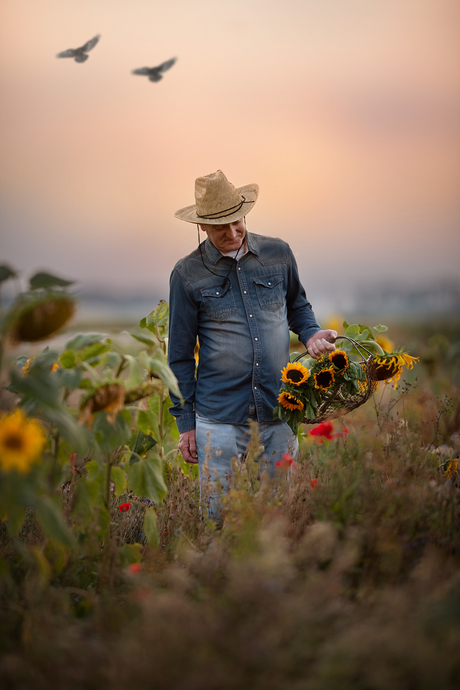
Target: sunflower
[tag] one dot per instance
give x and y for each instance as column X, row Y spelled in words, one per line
column 290, row 401
column 294, row 373
column 389, row 368
column 109, row 397
column 324, row 379
column 38, row 316
column 385, row 343
column 21, row 441
column 339, row 359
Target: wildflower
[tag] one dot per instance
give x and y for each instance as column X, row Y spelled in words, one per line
column 55, row 367
column 109, row 397
column 339, row 359
column 452, row 468
column 313, row 483
column 286, row 462
column 21, row 441
column 323, row 430
column 294, row 373
column 124, row 507
column 290, row 401
column 324, row 379
column 135, row 568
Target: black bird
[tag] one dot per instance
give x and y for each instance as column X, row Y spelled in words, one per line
column 80, row 53
column 155, row 73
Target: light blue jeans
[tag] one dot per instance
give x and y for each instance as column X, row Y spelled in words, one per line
column 219, row 443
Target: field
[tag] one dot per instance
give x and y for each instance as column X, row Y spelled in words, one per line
column 343, row 573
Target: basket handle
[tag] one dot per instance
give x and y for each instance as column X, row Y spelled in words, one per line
column 331, row 339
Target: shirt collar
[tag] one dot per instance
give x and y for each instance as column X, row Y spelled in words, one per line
column 214, row 254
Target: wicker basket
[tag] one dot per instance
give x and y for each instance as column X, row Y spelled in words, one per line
column 335, row 403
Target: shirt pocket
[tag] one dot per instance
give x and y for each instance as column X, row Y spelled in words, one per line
column 219, row 302
column 270, row 291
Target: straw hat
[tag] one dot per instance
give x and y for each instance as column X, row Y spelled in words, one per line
column 218, row 202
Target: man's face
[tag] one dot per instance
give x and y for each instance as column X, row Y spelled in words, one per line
column 226, row 238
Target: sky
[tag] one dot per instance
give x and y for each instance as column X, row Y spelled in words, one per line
column 345, row 112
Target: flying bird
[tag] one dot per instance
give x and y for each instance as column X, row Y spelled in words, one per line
column 155, row 73
column 80, row 53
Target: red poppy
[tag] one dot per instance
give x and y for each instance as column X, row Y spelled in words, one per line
column 324, row 430
column 339, row 434
column 286, row 462
column 135, row 568
column 124, row 507
column 313, row 483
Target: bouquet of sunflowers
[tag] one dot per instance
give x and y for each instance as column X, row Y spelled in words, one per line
column 313, row 390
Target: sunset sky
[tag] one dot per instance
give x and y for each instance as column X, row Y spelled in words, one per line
column 345, row 112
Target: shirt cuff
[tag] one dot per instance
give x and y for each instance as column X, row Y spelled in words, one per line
column 186, row 422
column 306, row 335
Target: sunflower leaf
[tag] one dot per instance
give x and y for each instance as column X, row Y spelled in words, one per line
column 150, row 528
column 46, row 280
column 6, row 272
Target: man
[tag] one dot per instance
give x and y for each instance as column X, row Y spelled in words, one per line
column 239, row 293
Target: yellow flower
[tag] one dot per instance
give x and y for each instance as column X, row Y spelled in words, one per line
column 21, row 442
column 452, row 468
column 339, row 359
column 290, row 401
column 324, row 379
column 389, row 368
column 197, row 348
column 385, row 343
column 294, row 373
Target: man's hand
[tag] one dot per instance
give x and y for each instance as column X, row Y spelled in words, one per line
column 187, row 446
column 320, row 344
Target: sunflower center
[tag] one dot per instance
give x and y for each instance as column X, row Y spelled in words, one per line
column 340, row 361
column 13, row 442
column 294, row 375
column 324, row 377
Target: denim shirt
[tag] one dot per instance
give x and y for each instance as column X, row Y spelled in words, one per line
column 243, row 329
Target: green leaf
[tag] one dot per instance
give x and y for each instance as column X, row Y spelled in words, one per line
column 46, row 280
column 158, row 364
column 157, row 320
column 77, row 436
column 93, row 351
column 135, row 375
column 143, row 339
column 380, row 329
column 6, row 272
column 53, row 523
column 110, row 436
column 145, row 478
column 69, row 378
column 82, row 340
column 142, row 444
column 68, row 359
column 38, row 385
column 150, row 528
column 118, row 476
column 87, row 496
column 147, row 421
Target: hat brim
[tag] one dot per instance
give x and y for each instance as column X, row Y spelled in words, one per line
column 250, row 193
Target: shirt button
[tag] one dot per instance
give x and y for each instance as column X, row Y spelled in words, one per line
column 244, row 292
column 256, row 338
column 250, row 315
column 255, row 388
column 257, row 364
column 239, row 268
column 269, row 283
column 217, row 293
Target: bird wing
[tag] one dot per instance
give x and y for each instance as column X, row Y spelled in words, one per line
column 89, row 45
column 166, row 65
column 155, row 76
column 142, row 70
column 71, row 52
